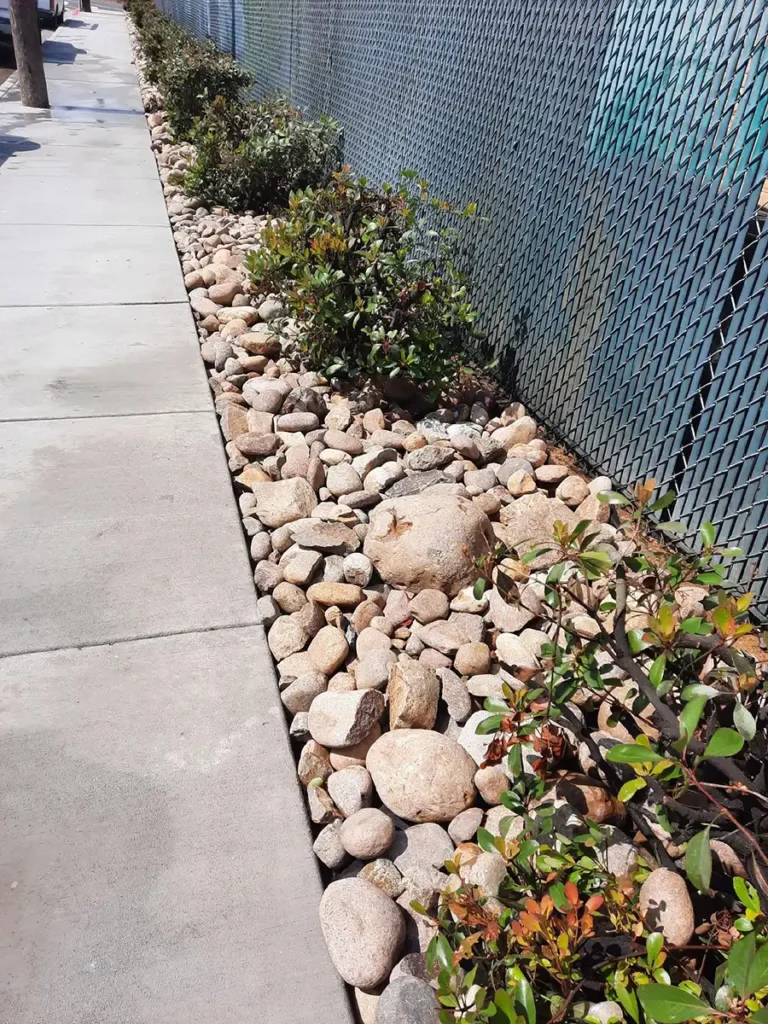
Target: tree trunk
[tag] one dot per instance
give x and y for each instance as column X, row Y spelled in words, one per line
column 25, row 31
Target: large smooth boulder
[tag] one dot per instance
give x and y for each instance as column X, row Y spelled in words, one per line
column 421, row 775
column 428, row 541
column 363, row 930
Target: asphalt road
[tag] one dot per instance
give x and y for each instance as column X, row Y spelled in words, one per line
column 7, row 59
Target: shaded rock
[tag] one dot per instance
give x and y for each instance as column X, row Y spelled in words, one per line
column 328, row 847
column 350, row 789
column 299, row 694
column 590, row 799
column 455, row 694
column 666, row 906
column 417, row 483
column 407, row 1001
column 344, row 719
column 314, row 763
column 321, row 808
column 413, row 694
column 465, row 825
column 385, row 876
column 368, row 833
column 428, row 606
column 420, row 775
column 421, row 848
column 356, row 754
column 363, row 930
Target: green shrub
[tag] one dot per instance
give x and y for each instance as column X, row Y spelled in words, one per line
column 253, row 155
column 192, row 78
column 660, row 640
column 371, row 276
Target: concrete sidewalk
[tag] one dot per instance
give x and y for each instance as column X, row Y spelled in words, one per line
column 155, row 862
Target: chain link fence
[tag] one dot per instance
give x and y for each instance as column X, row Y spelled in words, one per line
column 617, row 153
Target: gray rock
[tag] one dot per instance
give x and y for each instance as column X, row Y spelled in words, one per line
column 528, row 523
column 300, row 566
column 372, row 671
column 342, row 479
column 455, row 695
column 421, row 848
column 358, row 568
column 267, row 611
column 465, row 825
column 328, row 847
column 299, row 694
column 297, row 422
column 509, row 618
column 363, row 929
column 407, row 1001
column 350, row 789
column 417, row 483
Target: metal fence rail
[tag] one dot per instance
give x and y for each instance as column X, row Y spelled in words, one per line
column 618, row 150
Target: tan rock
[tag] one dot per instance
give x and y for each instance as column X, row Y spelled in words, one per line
column 345, row 595
column 413, row 694
column 666, row 905
column 421, row 775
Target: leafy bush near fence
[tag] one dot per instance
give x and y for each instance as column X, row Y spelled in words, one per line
column 193, row 78
column 253, row 155
column 191, row 73
column 370, row 274
column 655, row 643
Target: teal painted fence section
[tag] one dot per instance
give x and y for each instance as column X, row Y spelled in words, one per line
column 618, row 150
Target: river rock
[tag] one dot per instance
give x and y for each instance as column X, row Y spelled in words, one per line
column 345, row 719
column 368, row 833
column 363, row 929
column 350, row 789
column 385, row 876
column 428, row 542
column 666, row 906
column 413, row 694
column 328, row 650
column 328, row 847
column 420, row 775
column 407, row 1001
column 528, row 523
column 283, row 501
